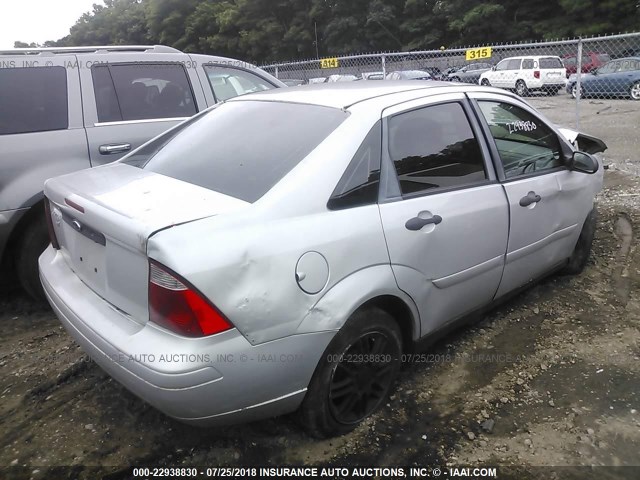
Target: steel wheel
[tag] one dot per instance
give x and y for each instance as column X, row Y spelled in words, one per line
column 358, row 387
column 574, row 91
column 635, row 91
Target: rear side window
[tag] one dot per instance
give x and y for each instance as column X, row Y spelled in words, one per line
column 359, row 184
column 33, row 100
column 243, row 148
column 550, row 62
column 228, row 82
column 434, row 147
column 142, row 91
column 527, row 64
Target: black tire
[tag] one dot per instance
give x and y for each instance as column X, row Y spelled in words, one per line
column 521, row 88
column 33, row 242
column 455, row 79
column 634, row 91
column 343, row 393
column 485, row 82
column 580, row 256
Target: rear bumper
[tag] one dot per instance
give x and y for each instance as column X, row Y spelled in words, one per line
column 215, row 380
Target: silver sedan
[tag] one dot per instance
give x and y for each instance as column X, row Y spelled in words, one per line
column 286, row 250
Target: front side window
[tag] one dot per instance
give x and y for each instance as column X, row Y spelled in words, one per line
column 514, row 64
column 434, row 147
column 241, row 149
column 142, row 91
column 33, row 100
column 525, row 144
column 228, row 82
column 503, row 65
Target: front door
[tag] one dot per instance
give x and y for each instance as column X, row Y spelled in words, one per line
column 445, row 217
column 547, row 203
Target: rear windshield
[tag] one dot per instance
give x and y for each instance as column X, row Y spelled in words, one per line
column 550, row 62
column 241, row 149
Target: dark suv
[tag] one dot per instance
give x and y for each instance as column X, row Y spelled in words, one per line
column 65, row 109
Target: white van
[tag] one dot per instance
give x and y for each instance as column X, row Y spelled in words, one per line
column 526, row 74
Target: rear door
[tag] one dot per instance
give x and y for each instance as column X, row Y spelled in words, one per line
column 130, row 98
column 552, row 72
column 444, row 215
column 547, row 202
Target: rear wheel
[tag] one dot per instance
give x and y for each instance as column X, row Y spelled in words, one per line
column 635, row 91
column 485, row 82
column 33, row 242
column 580, row 256
column 521, row 88
column 354, row 376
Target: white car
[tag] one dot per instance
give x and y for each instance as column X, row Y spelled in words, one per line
column 526, row 74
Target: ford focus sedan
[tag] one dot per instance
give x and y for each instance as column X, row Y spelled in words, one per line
column 282, row 251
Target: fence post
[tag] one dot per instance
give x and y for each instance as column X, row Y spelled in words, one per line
column 277, row 72
column 384, row 67
column 578, row 84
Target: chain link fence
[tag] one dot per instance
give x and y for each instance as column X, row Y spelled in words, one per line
column 598, row 67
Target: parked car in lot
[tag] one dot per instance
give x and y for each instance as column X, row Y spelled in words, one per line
column 341, row 78
column 435, row 72
column 469, row 73
column 527, row 74
column 372, row 76
column 409, row 75
column 64, row 109
column 618, row 78
column 284, row 249
column 292, row 82
column 590, row 61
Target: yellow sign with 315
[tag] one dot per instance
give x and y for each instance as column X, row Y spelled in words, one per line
column 329, row 63
column 478, row 53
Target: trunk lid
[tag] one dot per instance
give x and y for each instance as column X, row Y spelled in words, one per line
column 104, row 216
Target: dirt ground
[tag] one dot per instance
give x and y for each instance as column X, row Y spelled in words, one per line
column 550, row 378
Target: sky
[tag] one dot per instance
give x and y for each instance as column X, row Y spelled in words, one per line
column 39, row 20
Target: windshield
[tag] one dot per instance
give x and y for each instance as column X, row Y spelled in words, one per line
column 241, row 149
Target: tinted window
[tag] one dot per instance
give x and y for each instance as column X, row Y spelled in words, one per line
column 33, row 100
column 525, row 144
column 227, row 82
column 359, row 184
column 527, row 64
column 434, row 147
column 242, row 149
column 571, row 61
column 142, row 91
column 551, row 62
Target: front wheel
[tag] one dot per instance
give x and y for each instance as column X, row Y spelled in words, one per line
column 355, row 375
column 635, row 91
column 580, row 256
column 521, row 88
column 485, row 82
column 574, row 91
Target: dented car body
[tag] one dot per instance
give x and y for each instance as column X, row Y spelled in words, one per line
column 225, row 271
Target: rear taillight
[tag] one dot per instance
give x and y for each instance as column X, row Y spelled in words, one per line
column 536, row 74
column 52, row 232
column 178, row 306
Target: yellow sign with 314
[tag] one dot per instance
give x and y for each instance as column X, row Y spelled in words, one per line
column 478, row 53
column 329, row 63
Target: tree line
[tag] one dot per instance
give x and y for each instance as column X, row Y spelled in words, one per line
column 271, row 30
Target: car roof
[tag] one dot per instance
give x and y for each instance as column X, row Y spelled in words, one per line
column 345, row 94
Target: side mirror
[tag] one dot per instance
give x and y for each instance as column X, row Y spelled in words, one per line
column 493, row 69
column 583, row 162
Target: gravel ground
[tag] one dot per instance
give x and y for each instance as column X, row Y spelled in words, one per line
column 550, row 378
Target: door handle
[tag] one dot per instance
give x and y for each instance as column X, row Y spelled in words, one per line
column 114, row 148
column 416, row 223
column 530, row 198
